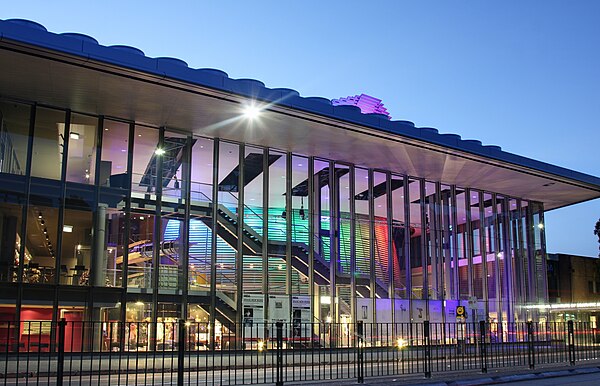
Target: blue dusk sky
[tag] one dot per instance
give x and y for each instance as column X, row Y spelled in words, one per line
column 524, row 75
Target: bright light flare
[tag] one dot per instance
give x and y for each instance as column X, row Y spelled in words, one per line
column 252, row 111
column 401, row 343
column 159, row 151
column 261, row 345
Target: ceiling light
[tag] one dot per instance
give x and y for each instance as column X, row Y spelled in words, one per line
column 67, row 228
column 40, row 215
column 74, row 135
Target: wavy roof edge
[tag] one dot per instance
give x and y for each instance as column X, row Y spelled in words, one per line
column 32, row 33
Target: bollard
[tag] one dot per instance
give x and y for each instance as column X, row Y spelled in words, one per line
column 427, row 339
column 60, row 365
column 360, row 371
column 181, row 352
column 530, row 353
column 483, row 346
column 279, row 361
column 571, row 342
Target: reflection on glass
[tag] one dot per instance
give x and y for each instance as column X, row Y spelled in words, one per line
column 115, row 148
column 10, row 242
column 81, row 160
column 48, row 143
column 14, row 134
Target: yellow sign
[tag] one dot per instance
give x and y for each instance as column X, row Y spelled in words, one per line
column 460, row 311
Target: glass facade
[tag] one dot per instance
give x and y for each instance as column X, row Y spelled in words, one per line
column 128, row 222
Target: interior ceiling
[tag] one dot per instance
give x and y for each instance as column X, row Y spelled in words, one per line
column 95, row 88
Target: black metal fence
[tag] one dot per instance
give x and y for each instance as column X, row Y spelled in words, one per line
column 144, row 353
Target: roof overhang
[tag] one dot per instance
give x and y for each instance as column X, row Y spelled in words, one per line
column 55, row 78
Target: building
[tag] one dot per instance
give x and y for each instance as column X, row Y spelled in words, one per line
column 573, row 288
column 138, row 189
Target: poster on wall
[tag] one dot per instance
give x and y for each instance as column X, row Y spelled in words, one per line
column 279, row 308
column 301, row 317
column 436, row 311
column 419, row 310
column 254, row 316
column 402, row 307
column 364, row 310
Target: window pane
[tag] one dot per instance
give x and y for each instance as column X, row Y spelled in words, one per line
column 115, row 147
column 48, row 143
column 14, row 132
column 81, row 162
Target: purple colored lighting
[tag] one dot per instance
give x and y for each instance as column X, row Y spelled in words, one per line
column 366, row 103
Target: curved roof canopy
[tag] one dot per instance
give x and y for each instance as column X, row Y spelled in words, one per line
column 73, row 70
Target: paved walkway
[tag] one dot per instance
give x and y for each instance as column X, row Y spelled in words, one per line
column 493, row 377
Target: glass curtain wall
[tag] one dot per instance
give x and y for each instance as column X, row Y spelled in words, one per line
column 14, row 134
column 112, row 227
column 253, row 219
column 109, row 203
column 173, row 163
column 363, row 244
column 300, row 226
column 201, row 220
column 399, row 232
column 277, row 219
column 322, row 240
column 142, row 237
column 227, row 247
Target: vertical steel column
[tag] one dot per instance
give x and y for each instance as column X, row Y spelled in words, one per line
column 97, row 240
column 509, row 282
column 239, row 255
column 213, row 243
column 530, row 253
column 544, row 274
column 316, row 224
column 61, row 215
column 311, row 234
column 390, row 243
column 126, row 235
column 352, row 193
column 520, row 270
column 157, row 239
column 454, row 236
column 424, row 246
column 483, row 251
column 186, row 173
column 288, row 225
column 333, row 245
column 497, row 251
column 437, row 264
column 265, row 236
column 24, row 210
column 407, row 263
column 470, row 246
column 372, row 250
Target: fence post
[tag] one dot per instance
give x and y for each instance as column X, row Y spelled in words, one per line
column 60, row 365
column 279, row 362
column 530, row 347
column 571, row 342
column 181, row 341
column 360, row 371
column 427, row 341
column 483, row 346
